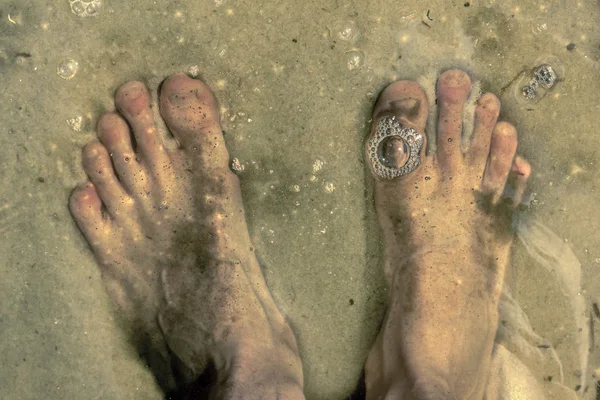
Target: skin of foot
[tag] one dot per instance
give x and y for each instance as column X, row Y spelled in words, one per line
column 447, row 235
column 168, row 230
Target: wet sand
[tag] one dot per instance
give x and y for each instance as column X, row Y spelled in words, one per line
column 296, row 84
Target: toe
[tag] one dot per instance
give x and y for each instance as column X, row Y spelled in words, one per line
column 453, row 88
column 133, row 101
column 502, row 152
column 486, row 115
column 190, row 111
column 407, row 101
column 86, row 208
column 521, row 171
column 114, row 134
column 97, row 165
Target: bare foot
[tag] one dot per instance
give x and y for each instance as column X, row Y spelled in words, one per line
column 169, row 233
column 447, row 239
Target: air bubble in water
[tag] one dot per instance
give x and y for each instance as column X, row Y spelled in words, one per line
column 354, row 59
column 85, row 8
column 93, row 8
column 78, row 8
column 67, row 69
column 345, row 30
column 537, row 29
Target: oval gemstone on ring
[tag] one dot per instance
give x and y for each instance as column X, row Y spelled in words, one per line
column 393, row 152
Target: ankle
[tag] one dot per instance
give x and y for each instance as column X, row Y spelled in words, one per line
column 261, row 370
column 268, row 388
column 433, row 389
column 270, row 376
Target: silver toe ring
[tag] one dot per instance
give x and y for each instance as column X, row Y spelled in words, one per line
column 388, row 127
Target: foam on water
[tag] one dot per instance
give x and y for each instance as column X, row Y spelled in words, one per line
column 557, row 257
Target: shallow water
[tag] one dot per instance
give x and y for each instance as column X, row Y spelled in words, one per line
column 296, row 82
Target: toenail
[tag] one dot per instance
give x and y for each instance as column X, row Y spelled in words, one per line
column 454, row 79
column 489, row 102
column 506, row 130
column 109, row 122
column 133, row 92
column 183, row 97
column 408, row 107
column 91, row 151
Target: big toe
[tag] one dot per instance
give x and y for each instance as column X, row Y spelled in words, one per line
column 391, row 149
column 190, row 110
column 407, row 101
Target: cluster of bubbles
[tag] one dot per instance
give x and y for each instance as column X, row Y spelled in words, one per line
column 533, row 86
column 543, row 76
column 76, row 123
column 85, row 8
column 389, row 129
column 236, row 165
column 193, row 71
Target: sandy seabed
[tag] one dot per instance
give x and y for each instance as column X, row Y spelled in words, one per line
column 296, row 82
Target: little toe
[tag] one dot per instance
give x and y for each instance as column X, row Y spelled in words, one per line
column 114, row 134
column 520, row 171
column 133, row 101
column 190, row 111
column 86, row 208
column 486, row 116
column 453, row 88
column 502, row 152
column 407, row 103
column 97, row 165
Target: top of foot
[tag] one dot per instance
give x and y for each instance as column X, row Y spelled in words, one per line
column 447, row 239
column 169, row 232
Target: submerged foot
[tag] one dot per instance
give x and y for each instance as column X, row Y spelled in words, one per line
column 168, row 230
column 447, row 234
